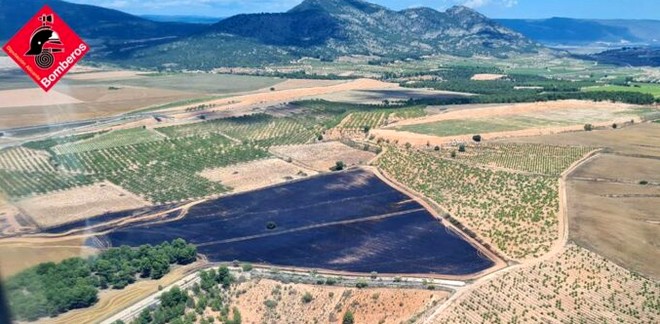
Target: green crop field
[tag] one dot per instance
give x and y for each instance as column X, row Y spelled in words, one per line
column 261, row 129
column 108, row 140
column 653, row 89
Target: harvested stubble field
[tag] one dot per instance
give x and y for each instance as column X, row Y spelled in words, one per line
column 393, row 94
column 533, row 120
column 79, row 203
column 535, row 158
column 577, row 286
column 516, row 213
column 76, row 103
column 18, row 255
column 323, row 156
column 257, row 174
column 328, row 304
column 613, row 213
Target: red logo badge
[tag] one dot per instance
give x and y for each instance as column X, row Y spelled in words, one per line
column 46, row 48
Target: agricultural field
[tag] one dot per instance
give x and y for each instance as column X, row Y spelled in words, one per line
column 533, row 120
column 370, row 227
column 513, row 212
column 577, row 286
column 25, row 159
column 323, row 156
column 650, row 88
column 549, row 160
column 109, row 140
column 328, row 304
column 393, row 95
column 615, row 213
column 79, row 203
column 260, row 129
column 359, row 121
column 256, row 174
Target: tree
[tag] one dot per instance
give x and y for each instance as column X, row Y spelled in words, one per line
column 366, row 129
column 461, row 148
column 476, row 138
column 588, row 127
column 615, row 126
column 339, row 165
column 453, row 154
column 436, row 148
column 348, row 318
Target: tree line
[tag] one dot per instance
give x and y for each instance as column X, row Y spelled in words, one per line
column 49, row 289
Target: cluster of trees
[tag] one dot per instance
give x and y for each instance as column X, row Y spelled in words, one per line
column 180, row 307
column 51, row 288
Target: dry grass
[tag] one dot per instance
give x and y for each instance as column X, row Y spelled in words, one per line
column 330, row 303
column 577, row 286
column 16, row 256
column 104, row 75
column 376, row 96
column 323, row 156
column 79, row 203
column 256, row 174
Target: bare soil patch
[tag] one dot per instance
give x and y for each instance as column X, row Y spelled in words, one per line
column 257, row 174
column 323, row 156
column 329, row 304
column 487, row 77
column 79, row 203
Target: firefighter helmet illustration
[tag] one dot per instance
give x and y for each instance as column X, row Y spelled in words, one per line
column 44, row 42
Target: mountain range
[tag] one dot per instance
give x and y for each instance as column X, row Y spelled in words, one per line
column 568, row 31
column 324, row 29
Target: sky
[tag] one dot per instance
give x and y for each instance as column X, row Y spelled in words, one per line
column 602, row 9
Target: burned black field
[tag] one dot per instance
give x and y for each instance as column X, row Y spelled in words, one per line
column 350, row 221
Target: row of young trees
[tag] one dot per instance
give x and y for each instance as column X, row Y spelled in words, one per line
column 52, row 288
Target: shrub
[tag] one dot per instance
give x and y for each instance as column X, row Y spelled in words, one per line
column 271, row 225
column 247, row 267
column 453, row 154
column 615, row 126
column 374, row 275
column 361, row 284
column 461, row 148
column 348, row 318
column 476, row 138
column 436, row 148
column 307, row 298
column 588, row 127
column 643, row 182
